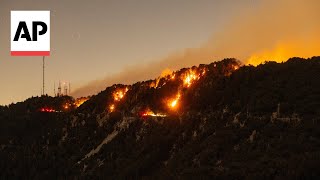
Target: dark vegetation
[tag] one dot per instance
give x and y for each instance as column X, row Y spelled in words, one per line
column 225, row 128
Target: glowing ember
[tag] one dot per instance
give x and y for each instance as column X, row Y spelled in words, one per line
column 66, row 106
column 203, row 73
column 235, row 67
column 111, row 108
column 45, row 109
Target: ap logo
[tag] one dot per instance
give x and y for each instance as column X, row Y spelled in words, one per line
column 30, row 33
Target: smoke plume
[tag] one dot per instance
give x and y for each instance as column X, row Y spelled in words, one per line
column 269, row 30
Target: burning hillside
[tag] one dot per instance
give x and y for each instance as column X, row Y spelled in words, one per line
column 118, row 95
column 215, row 121
column 62, row 104
column 164, row 94
column 79, row 101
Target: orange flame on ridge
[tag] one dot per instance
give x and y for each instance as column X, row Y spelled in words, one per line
column 119, row 94
column 80, row 101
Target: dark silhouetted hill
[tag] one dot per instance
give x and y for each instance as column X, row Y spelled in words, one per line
column 230, row 122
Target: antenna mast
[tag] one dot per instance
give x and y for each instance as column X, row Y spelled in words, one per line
column 59, row 89
column 65, row 87
column 43, row 75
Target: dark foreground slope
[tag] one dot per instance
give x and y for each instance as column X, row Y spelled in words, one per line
column 251, row 122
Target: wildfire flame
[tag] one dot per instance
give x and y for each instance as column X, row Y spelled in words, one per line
column 80, row 101
column 189, row 78
column 174, row 102
column 167, row 74
column 150, row 113
column 119, row 94
column 298, row 47
column 111, row 108
column 185, row 79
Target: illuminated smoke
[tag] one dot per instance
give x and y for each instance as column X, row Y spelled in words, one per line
column 268, row 30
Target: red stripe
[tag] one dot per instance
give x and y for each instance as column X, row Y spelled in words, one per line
column 30, row 53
